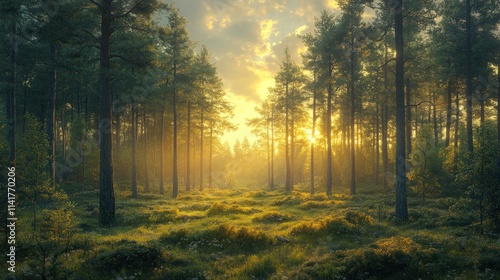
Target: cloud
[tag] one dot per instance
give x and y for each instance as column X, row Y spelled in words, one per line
column 247, row 39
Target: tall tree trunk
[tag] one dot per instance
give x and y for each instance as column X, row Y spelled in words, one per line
column 210, row 179
column 268, row 140
column 292, row 151
column 272, row 147
column 408, row 117
column 162, row 151
column 288, row 187
column 352, row 122
column 201, row 148
column 457, row 121
column 401, row 204
column 175, row 180
column 468, row 73
column 188, row 148
column 51, row 115
column 377, row 142
column 63, row 129
column 145, row 135
column 313, row 131
column 134, row 150
column 118, row 124
column 385, row 121
column 448, row 112
column 481, row 106
column 434, row 118
column 329, row 167
column 106, row 191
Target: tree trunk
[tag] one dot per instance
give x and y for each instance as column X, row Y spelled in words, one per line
column 63, row 130
column 210, row 154
column 51, row 115
column 468, row 73
column 268, row 140
column 385, row 121
column 377, row 143
column 401, row 204
column 448, row 112
column 288, row 187
column 352, row 122
column 106, row 191
column 162, row 151
column 188, row 148
column 175, row 180
column 145, row 135
column 134, row 150
column 434, row 118
column 457, row 121
column 313, row 131
column 329, row 177
column 272, row 147
column 408, row 118
column 201, row 149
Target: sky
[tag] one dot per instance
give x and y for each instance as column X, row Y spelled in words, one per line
column 247, row 40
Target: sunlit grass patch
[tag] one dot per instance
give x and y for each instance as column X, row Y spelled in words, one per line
column 223, row 209
column 258, row 267
column 315, row 205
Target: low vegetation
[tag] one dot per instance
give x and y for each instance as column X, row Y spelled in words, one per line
column 245, row 234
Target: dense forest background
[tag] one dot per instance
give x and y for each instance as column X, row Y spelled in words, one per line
column 103, row 96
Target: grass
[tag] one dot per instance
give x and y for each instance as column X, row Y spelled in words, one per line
column 257, row 234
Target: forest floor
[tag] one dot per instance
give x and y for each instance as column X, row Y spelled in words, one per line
column 258, row 234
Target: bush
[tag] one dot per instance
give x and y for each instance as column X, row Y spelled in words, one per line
column 220, row 237
column 258, row 268
column 223, row 209
column 273, row 217
column 358, row 218
column 315, row 205
column 132, row 257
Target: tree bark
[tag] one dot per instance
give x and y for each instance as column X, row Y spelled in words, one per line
column 352, row 122
column 134, row 150
column 385, row 121
column 401, row 204
column 448, row 112
column 106, row 191
column 288, row 186
column 313, row 131
column 468, row 73
column 188, row 148
column 145, row 135
column 377, row 142
column 201, row 148
column 408, row 117
column 51, row 114
column 162, row 152
column 329, row 167
column 175, row 180
column 210, row 179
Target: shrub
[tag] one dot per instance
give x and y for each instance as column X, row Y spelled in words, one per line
column 258, row 268
column 132, row 257
column 220, row 237
column 315, row 205
column 358, row 218
column 223, row 209
column 273, row 217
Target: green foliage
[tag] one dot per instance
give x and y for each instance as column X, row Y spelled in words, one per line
column 273, row 217
column 223, row 209
column 32, row 159
column 132, row 257
column 258, row 267
column 222, row 237
column 427, row 165
column 352, row 223
column 483, row 173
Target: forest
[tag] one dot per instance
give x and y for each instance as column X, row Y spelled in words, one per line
column 375, row 154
